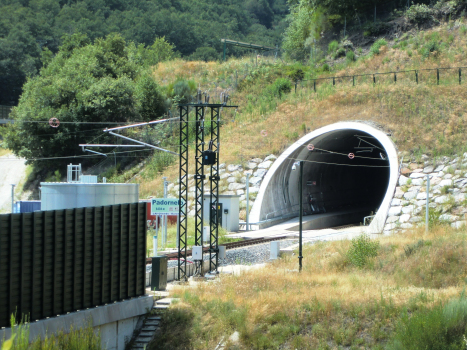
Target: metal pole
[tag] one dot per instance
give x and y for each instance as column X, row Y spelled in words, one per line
column 178, row 232
column 154, row 245
column 345, row 24
column 247, row 200
column 156, row 226
column 300, row 256
column 13, row 198
column 225, row 47
column 427, row 200
column 165, row 227
column 165, row 216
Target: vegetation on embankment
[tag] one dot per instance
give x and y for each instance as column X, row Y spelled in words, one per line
column 421, row 118
column 85, row 338
column 404, row 291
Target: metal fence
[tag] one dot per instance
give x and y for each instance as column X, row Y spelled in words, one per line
column 59, row 261
column 429, row 76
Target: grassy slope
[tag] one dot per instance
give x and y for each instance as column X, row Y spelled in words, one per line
column 333, row 304
column 423, row 118
column 330, row 304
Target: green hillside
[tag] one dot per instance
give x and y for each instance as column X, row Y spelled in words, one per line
column 27, row 28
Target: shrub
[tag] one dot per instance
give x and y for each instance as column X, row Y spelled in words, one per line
column 419, row 13
column 377, row 46
column 431, row 47
column 296, row 74
column 339, row 53
column 361, row 250
column 438, row 328
column 281, row 86
column 325, row 67
column 333, row 46
column 350, row 56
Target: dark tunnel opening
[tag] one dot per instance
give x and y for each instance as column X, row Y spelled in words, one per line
column 346, row 173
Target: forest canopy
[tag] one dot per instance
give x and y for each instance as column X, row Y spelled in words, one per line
column 85, row 85
column 28, row 27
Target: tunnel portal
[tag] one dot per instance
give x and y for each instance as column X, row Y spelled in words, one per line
column 348, row 172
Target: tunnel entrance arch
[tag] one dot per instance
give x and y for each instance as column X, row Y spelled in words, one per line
column 350, row 171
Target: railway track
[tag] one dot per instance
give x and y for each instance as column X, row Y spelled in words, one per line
column 232, row 245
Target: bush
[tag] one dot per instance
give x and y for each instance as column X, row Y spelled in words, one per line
column 296, row 74
column 419, row 13
column 281, row 86
column 377, row 46
column 362, row 249
column 333, row 46
column 339, row 53
column 325, row 67
column 438, row 328
column 431, row 47
column 351, row 56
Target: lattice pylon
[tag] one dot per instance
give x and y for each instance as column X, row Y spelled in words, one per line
column 214, row 200
column 183, row 195
column 199, row 180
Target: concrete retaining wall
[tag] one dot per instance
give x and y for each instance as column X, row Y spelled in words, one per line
column 116, row 322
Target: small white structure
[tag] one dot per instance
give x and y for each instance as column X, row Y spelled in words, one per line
column 84, row 191
column 228, row 210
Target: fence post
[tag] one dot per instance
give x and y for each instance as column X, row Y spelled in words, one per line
column 460, row 76
column 314, row 85
column 353, row 80
column 437, row 76
column 374, row 79
column 295, row 87
column 416, row 76
column 333, row 81
column 395, row 78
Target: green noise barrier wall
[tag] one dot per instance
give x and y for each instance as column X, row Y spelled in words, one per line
column 60, row 261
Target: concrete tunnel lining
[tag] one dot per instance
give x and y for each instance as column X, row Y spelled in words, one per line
column 360, row 185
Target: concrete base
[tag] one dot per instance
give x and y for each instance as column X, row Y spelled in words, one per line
column 116, row 322
column 172, row 272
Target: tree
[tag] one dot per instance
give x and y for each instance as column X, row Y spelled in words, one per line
column 83, row 84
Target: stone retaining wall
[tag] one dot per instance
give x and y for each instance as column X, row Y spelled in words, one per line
column 232, row 181
column 447, row 194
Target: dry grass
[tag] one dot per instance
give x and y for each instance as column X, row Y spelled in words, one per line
column 330, row 303
column 423, row 118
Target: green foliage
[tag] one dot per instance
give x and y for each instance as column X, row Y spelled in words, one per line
column 440, row 328
column 56, row 177
column 183, row 25
column 430, row 47
column 325, row 67
column 77, row 339
column 306, row 22
column 281, row 86
column 419, row 13
column 377, row 46
column 296, row 73
column 361, row 250
column 339, row 53
column 333, row 46
column 350, row 55
column 204, row 54
column 83, row 83
column 181, row 90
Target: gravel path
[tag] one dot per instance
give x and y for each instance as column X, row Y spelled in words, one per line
column 12, row 171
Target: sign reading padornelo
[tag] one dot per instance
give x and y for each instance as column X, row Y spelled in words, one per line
column 167, row 206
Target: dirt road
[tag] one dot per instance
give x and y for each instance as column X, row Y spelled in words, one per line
column 12, row 171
